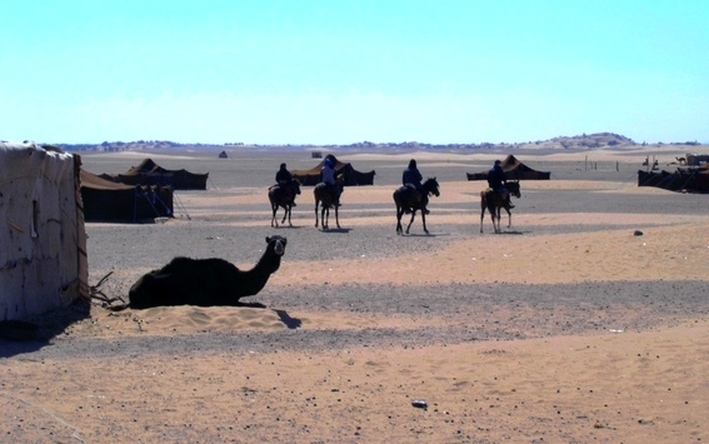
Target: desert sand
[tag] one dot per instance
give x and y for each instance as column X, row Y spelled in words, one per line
column 586, row 320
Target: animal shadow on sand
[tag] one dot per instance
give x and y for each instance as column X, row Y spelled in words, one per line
column 513, row 232
column 336, row 230
column 288, row 321
column 291, row 323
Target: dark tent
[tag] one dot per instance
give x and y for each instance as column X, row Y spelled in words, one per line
column 691, row 180
column 514, row 170
column 352, row 176
column 150, row 173
column 106, row 201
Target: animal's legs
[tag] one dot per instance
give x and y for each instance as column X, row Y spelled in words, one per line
column 413, row 215
column 399, row 213
column 423, row 219
column 509, row 217
column 274, row 220
column 325, row 217
column 286, row 214
column 483, row 205
column 316, row 213
column 337, row 216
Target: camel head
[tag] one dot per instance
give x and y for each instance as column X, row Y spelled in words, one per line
column 277, row 244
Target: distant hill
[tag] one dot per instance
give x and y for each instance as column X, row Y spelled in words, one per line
column 581, row 142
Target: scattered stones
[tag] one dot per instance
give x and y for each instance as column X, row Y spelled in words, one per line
column 419, row 404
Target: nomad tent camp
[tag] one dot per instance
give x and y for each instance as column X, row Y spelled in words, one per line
column 352, row 177
column 106, row 201
column 514, row 170
column 150, row 173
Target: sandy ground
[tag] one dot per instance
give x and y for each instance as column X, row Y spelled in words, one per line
column 568, row 327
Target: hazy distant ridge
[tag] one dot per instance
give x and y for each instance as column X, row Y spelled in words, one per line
column 583, row 141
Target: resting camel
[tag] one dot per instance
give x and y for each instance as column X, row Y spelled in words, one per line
column 278, row 198
column 327, row 196
column 492, row 201
column 205, row 282
column 405, row 198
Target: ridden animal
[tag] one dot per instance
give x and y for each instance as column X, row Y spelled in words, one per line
column 493, row 202
column 407, row 200
column 327, row 196
column 279, row 198
column 205, row 282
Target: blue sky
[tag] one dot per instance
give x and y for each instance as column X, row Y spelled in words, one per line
column 339, row 72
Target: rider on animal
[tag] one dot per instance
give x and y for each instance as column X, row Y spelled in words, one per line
column 412, row 178
column 327, row 175
column 284, row 179
column 497, row 181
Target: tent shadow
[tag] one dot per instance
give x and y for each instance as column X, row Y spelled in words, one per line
column 37, row 332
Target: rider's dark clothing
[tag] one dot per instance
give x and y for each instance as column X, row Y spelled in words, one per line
column 496, row 178
column 284, row 179
column 497, row 181
column 413, row 176
column 283, row 176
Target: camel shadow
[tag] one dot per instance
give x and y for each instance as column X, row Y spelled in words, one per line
column 288, row 321
column 291, row 323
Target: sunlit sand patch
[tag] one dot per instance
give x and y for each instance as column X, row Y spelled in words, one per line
column 666, row 252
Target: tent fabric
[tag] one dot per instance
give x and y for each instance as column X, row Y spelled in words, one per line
column 514, row 170
column 107, row 201
column 690, row 180
column 352, row 177
column 43, row 262
column 150, row 173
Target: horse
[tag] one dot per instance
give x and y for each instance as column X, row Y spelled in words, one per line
column 327, row 196
column 491, row 200
column 279, row 198
column 406, row 200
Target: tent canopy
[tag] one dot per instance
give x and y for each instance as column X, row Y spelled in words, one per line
column 352, row 177
column 514, row 170
column 690, row 180
column 107, row 201
column 150, row 173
